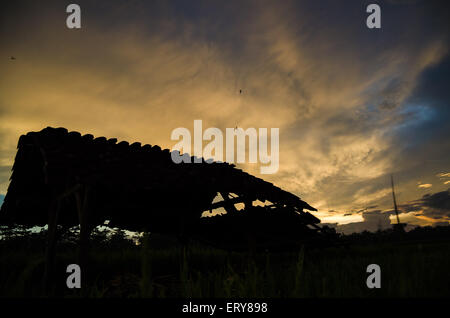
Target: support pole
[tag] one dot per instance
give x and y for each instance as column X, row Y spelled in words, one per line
column 83, row 216
column 51, row 246
column 228, row 204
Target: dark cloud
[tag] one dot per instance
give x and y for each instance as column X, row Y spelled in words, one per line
column 436, row 205
column 439, row 201
column 424, row 137
column 441, row 224
column 403, row 1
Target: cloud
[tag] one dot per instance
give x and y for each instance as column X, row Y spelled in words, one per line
column 425, row 186
column 372, row 221
column 435, row 206
column 441, row 224
column 431, row 209
column 5, row 173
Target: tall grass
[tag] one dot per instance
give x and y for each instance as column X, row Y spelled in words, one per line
column 418, row 270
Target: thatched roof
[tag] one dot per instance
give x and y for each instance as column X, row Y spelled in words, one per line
column 129, row 183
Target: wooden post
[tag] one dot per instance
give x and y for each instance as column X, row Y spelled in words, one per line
column 83, row 213
column 51, row 245
column 228, row 205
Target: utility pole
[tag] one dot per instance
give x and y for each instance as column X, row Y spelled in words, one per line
column 395, row 201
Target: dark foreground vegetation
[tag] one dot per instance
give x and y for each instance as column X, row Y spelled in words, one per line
column 413, row 264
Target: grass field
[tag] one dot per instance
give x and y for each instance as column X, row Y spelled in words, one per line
column 163, row 268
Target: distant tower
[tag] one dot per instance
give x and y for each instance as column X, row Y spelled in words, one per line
column 399, row 227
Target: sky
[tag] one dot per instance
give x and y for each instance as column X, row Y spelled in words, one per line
column 353, row 105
